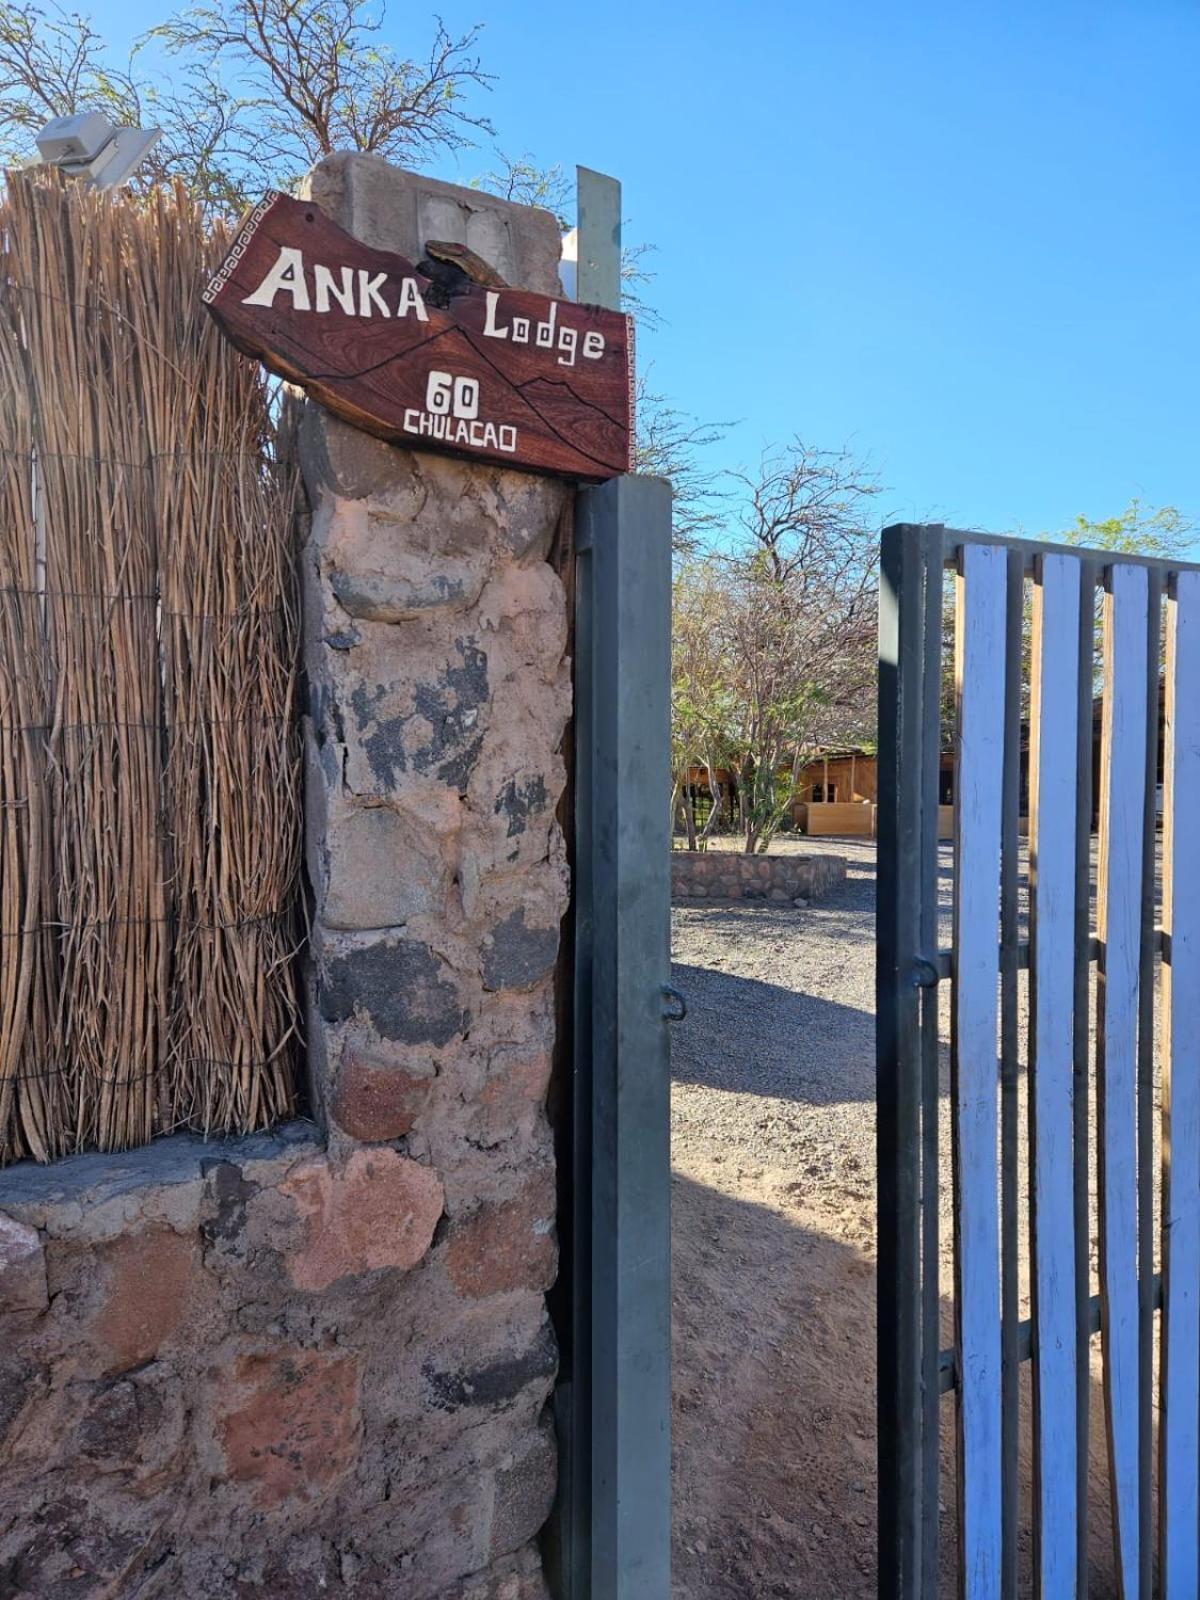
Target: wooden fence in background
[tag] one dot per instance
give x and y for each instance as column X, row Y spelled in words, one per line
column 149, row 766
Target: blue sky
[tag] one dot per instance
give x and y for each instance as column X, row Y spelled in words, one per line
column 961, row 239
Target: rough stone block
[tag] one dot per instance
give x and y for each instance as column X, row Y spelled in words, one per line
column 525, row 1490
column 380, row 865
column 496, row 1381
column 378, row 572
column 288, row 1422
column 379, row 1210
column 517, row 955
column 410, row 701
column 22, row 1268
column 400, row 987
column 418, row 502
column 147, row 1278
column 137, row 1424
column 514, row 1092
column 376, row 1099
column 506, row 1245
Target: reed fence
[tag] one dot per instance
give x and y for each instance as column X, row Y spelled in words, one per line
column 149, row 763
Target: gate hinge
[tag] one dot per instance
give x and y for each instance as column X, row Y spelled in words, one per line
column 680, row 1004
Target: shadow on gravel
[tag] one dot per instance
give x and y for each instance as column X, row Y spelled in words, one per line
column 752, row 1037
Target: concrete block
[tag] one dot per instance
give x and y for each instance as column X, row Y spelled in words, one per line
column 391, row 209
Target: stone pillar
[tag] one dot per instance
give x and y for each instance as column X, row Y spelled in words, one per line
column 317, row 1361
column 436, row 634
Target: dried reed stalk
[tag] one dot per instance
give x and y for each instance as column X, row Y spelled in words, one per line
column 229, row 629
column 31, row 1114
column 170, row 763
column 69, row 251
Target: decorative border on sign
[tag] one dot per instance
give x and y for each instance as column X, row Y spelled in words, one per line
column 240, row 245
column 631, row 360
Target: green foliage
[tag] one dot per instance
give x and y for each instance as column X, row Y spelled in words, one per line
column 1165, row 534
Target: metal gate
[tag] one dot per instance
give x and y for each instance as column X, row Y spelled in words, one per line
column 1069, row 941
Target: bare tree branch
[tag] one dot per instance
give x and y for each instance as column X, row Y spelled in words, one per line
column 263, row 88
column 520, row 178
column 670, row 444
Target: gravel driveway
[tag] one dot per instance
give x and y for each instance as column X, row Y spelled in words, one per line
column 773, row 1150
column 773, row 1132
column 777, row 1057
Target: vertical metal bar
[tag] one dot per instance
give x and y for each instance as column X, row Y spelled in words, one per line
column 1145, row 1093
column 568, row 1551
column 598, row 274
column 569, row 1545
column 625, row 527
column 1010, row 934
column 1081, row 1053
column 902, row 599
column 928, row 757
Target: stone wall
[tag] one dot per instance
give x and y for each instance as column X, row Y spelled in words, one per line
column 729, row 875
column 319, row 1361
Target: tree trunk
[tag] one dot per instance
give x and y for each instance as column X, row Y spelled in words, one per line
column 689, row 817
column 714, row 815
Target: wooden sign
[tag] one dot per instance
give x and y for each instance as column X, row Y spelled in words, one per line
column 491, row 373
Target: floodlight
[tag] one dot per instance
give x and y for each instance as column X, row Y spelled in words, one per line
column 87, row 145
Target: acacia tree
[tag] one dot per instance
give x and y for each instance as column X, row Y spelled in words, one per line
column 260, row 89
column 701, row 701
column 799, row 624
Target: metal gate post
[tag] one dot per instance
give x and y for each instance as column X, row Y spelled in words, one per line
column 909, row 681
column 609, row 1538
column 616, row 1511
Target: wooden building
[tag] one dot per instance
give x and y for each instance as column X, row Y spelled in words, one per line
column 836, row 793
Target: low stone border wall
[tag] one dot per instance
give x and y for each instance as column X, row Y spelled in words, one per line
column 727, row 875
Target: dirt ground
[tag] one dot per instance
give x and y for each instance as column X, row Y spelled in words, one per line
column 774, row 1297
column 773, row 1131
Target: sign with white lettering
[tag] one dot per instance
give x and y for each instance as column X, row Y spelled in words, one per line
column 439, row 362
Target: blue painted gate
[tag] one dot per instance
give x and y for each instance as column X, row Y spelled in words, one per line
column 1039, row 1190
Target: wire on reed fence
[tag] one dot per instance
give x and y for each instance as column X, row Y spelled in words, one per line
column 149, row 765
